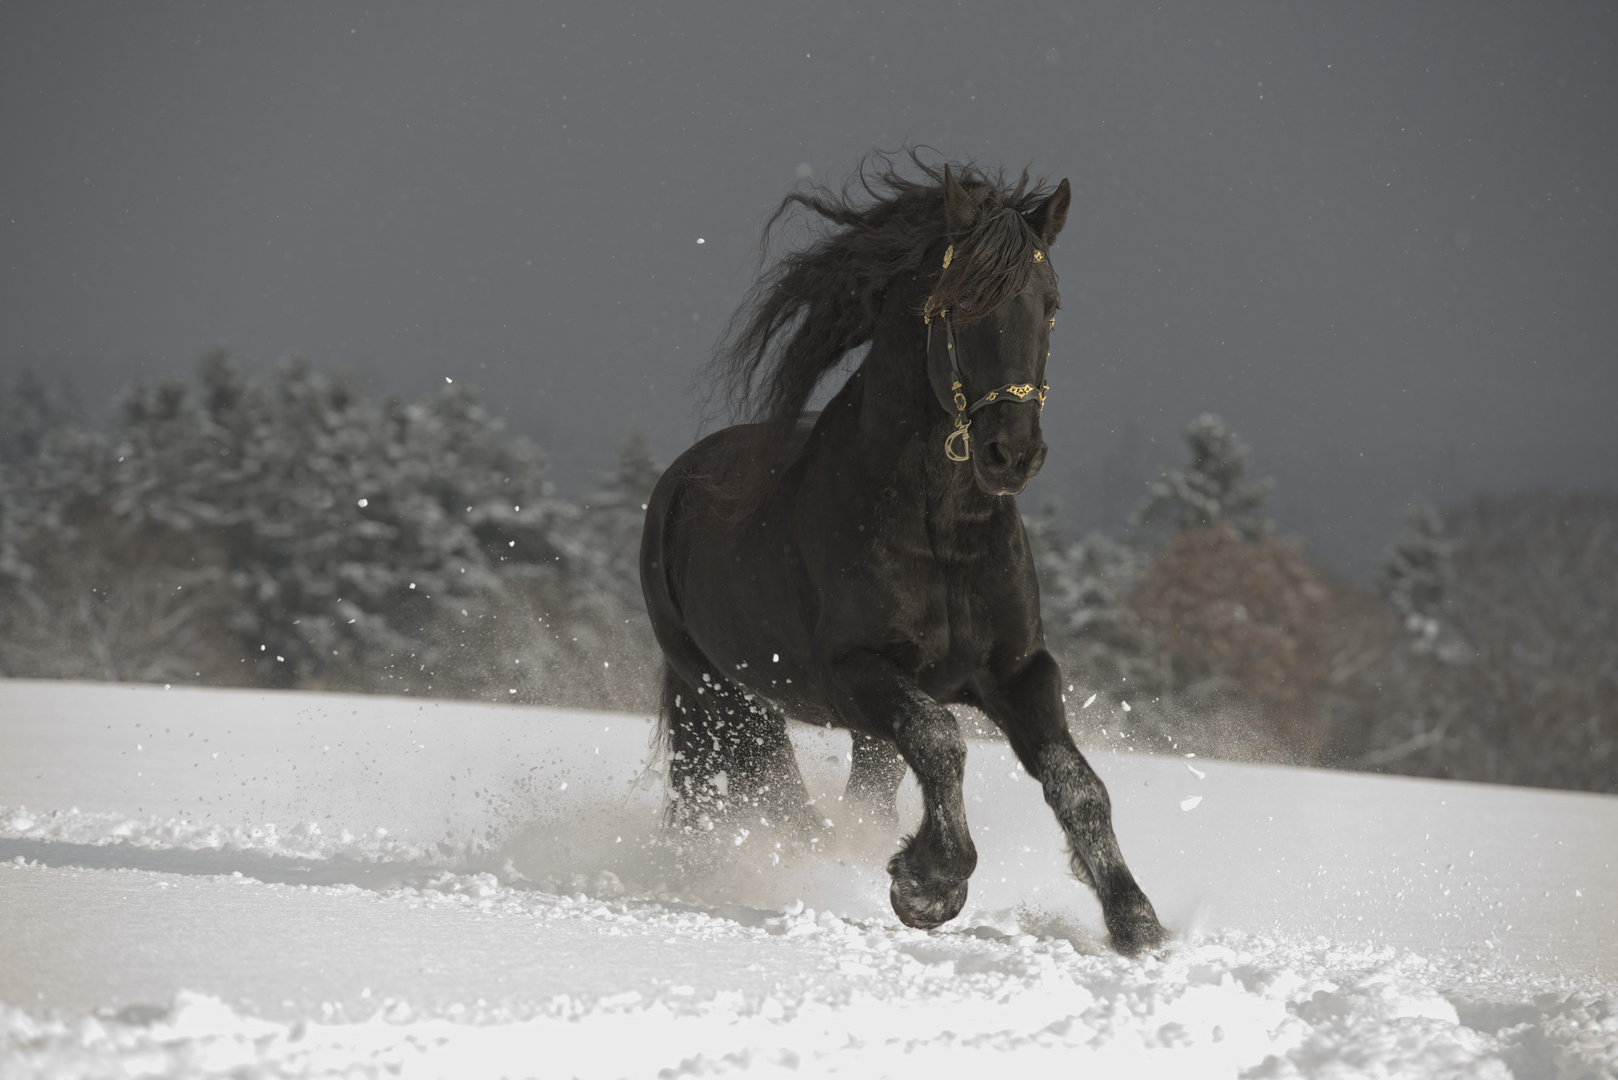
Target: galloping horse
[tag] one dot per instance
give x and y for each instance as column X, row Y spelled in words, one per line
column 865, row 566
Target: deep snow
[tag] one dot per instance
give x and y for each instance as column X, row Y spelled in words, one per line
column 192, row 882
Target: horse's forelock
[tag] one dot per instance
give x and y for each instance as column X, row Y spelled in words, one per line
column 991, row 266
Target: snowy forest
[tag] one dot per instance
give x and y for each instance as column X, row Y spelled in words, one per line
column 289, row 532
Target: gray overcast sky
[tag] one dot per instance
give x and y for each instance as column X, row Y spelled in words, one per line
column 1378, row 238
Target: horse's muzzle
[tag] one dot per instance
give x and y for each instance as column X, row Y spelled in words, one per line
column 1004, row 466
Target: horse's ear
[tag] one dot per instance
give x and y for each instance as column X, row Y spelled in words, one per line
column 1048, row 217
column 959, row 213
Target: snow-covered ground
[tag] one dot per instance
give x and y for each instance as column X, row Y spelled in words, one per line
column 236, row 883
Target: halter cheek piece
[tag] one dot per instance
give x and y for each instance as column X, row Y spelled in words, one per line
column 958, row 443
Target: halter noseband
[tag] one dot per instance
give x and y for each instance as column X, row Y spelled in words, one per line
column 963, row 412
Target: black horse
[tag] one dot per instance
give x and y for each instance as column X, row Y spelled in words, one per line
column 865, row 566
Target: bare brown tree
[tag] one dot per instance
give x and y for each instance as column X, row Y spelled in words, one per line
column 1240, row 621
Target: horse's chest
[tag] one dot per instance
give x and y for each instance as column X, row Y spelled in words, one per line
column 928, row 591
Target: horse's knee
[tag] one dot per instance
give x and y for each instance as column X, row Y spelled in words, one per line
column 934, row 747
column 1072, row 789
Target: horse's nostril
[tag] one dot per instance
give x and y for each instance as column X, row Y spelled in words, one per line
column 995, row 456
column 1037, row 461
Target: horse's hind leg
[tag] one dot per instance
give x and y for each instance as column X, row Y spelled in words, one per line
column 873, row 780
column 764, row 778
column 731, row 762
column 691, row 789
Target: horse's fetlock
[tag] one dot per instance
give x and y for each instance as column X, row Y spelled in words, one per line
column 1080, row 868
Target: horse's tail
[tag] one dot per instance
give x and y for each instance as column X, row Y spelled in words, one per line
column 661, row 743
column 663, row 730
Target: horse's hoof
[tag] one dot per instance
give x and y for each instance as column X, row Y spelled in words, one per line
column 927, row 912
column 924, row 904
column 1134, row 927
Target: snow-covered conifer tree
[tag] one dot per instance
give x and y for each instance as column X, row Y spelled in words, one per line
column 103, row 593
column 452, row 451
column 348, row 526
column 1083, row 584
column 1210, row 488
column 41, row 446
column 1417, row 574
column 49, row 461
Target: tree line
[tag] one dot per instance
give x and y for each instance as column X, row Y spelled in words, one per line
column 1485, row 647
column 287, row 531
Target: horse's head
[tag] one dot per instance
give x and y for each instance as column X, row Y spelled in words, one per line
column 990, row 319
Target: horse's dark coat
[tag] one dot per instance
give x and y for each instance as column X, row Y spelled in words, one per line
column 841, row 570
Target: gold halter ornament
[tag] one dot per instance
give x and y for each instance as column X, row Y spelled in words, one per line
column 958, row 443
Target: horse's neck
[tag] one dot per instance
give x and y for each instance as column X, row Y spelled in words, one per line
column 899, row 437
column 896, row 399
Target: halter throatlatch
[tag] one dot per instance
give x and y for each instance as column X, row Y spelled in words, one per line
column 958, row 443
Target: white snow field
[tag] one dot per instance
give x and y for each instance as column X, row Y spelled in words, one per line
column 244, row 884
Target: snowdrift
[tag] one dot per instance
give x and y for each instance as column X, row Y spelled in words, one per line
column 200, row 882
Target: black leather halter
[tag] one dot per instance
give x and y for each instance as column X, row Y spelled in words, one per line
column 963, row 412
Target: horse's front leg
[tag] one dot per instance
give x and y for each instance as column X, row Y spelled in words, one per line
column 1028, row 708
column 931, row 870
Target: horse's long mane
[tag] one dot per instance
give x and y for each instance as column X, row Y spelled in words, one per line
column 814, row 305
